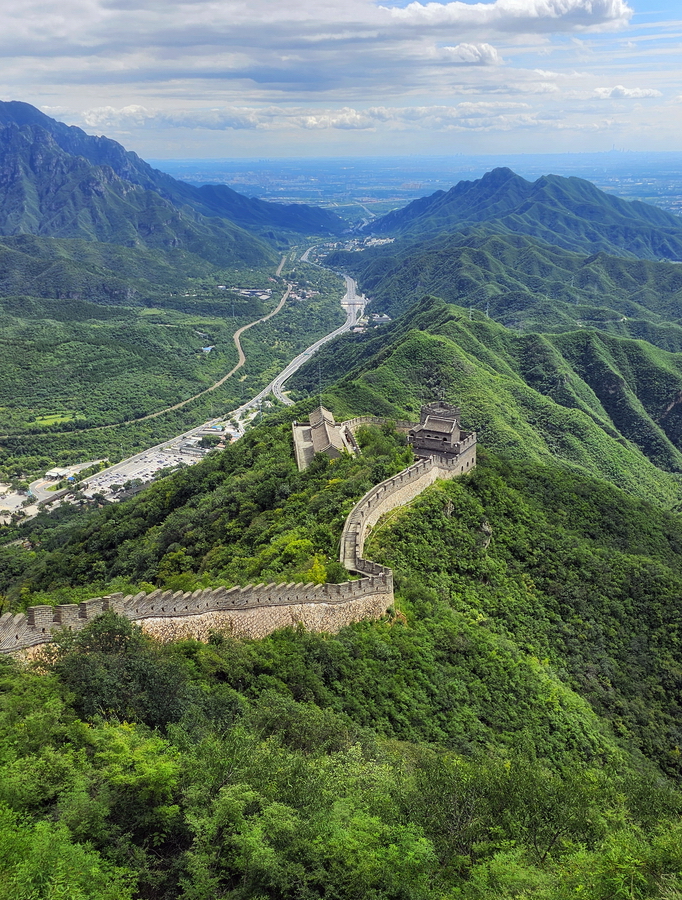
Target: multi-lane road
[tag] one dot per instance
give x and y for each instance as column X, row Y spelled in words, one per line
column 144, row 465
column 354, row 307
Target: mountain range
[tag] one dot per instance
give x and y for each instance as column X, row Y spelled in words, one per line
column 525, row 284
column 57, row 181
column 510, row 728
column 566, row 212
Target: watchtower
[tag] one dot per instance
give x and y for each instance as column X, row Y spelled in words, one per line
column 438, row 430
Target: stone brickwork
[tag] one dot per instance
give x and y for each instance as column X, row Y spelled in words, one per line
column 260, row 605
column 257, row 622
column 394, row 492
column 258, row 609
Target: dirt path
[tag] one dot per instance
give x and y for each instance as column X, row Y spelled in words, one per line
column 241, row 360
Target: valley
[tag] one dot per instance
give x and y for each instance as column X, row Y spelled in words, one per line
column 186, row 449
column 353, row 678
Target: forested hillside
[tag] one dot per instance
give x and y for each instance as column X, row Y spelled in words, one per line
column 600, row 404
column 566, row 212
column 498, row 734
column 511, row 727
column 21, row 122
column 49, row 192
column 525, row 285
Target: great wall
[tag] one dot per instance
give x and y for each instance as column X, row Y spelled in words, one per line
column 259, row 609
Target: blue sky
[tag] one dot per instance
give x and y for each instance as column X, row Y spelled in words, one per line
column 358, row 77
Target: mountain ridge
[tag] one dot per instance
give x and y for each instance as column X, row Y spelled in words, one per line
column 568, row 212
column 51, row 193
column 210, row 200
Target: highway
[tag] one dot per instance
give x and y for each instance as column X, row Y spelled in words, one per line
column 175, row 451
column 354, row 307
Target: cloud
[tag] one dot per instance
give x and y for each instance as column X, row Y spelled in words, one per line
column 254, row 74
column 520, row 15
column 464, row 115
column 472, row 55
column 221, row 119
column 622, row 93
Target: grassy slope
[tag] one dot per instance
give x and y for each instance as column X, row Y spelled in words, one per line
column 588, row 401
column 526, row 285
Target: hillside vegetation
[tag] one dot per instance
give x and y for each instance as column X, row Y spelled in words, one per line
column 49, row 192
column 499, row 734
column 566, row 212
column 511, row 727
column 78, row 376
column 273, row 220
column 525, row 285
column 599, row 404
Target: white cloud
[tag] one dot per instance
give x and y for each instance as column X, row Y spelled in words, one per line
column 473, row 54
column 464, row 115
column 521, row 15
column 622, row 93
column 250, row 75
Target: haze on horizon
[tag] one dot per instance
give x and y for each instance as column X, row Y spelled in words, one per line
column 352, row 77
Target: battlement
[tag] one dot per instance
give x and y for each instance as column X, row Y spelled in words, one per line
column 399, row 424
column 394, row 492
column 38, row 623
column 258, row 609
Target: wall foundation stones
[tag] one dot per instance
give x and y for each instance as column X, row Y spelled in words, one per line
column 257, row 610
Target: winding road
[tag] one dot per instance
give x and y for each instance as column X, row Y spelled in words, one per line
column 354, row 307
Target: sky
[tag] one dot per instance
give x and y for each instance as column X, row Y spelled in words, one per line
column 273, row 78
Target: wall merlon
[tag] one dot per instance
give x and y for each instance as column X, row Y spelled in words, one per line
column 67, row 616
column 88, row 609
column 40, row 616
column 225, row 599
column 117, row 603
column 263, row 607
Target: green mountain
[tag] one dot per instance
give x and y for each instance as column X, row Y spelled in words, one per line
column 599, row 404
column 100, row 272
column 566, row 212
column 210, row 200
column 525, row 284
column 48, row 192
column 511, row 729
column 262, row 216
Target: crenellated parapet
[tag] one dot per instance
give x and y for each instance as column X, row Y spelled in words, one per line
column 399, row 424
column 258, row 609
column 395, row 492
column 37, row 625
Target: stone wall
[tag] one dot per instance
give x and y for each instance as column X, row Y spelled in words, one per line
column 394, row 492
column 259, row 609
column 257, row 622
column 257, row 604
column 353, row 424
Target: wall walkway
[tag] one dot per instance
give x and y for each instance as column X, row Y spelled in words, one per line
column 258, row 609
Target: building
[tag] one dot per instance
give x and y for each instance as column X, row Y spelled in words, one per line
column 57, row 474
column 321, row 435
column 438, row 431
column 437, row 434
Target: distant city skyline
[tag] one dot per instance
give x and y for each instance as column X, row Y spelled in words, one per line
column 355, row 78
